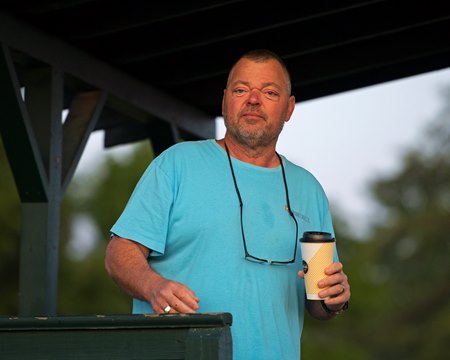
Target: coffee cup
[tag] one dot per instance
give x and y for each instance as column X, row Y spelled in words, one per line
column 317, row 253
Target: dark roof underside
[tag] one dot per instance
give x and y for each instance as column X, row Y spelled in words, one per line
column 185, row 48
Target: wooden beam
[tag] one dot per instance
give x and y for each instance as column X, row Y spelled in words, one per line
column 84, row 112
column 70, row 60
column 18, row 136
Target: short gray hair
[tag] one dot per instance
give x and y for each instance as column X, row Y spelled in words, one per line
column 263, row 55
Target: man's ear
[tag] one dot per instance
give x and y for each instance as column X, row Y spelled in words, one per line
column 291, row 107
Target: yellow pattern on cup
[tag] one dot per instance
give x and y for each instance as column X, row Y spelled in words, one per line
column 316, row 269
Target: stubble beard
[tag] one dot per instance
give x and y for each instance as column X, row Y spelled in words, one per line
column 253, row 137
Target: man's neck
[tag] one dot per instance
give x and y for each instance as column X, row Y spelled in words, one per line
column 260, row 156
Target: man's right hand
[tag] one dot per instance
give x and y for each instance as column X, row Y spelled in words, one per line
column 166, row 292
column 126, row 263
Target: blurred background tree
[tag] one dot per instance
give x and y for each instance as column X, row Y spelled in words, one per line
column 413, row 245
column 399, row 270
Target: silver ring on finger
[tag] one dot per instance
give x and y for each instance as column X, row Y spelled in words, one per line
column 167, row 309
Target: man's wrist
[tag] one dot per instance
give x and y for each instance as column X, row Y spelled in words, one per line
column 334, row 312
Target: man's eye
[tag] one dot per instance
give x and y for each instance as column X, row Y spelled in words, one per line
column 271, row 94
column 239, row 91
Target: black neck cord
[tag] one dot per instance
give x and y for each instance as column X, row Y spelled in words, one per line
column 241, row 204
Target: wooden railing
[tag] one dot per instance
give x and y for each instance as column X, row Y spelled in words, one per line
column 192, row 337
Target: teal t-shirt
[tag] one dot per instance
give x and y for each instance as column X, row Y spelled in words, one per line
column 185, row 208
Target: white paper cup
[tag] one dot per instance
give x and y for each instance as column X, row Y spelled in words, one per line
column 317, row 253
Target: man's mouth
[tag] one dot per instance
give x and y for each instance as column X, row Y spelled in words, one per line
column 252, row 115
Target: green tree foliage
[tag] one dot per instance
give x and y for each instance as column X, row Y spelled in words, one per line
column 413, row 245
column 400, row 307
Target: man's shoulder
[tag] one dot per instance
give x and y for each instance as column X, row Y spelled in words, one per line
column 303, row 176
column 188, row 146
column 186, row 151
column 299, row 170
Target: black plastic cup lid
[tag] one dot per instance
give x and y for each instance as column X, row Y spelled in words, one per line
column 316, row 236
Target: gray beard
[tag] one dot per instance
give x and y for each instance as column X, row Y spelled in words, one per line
column 257, row 139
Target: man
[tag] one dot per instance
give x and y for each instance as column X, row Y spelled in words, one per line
column 213, row 225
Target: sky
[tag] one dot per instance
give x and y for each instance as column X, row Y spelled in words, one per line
column 345, row 140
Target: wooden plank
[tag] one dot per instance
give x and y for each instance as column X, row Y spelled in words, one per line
column 193, row 337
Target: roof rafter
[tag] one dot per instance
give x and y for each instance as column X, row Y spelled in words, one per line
column 75, row 62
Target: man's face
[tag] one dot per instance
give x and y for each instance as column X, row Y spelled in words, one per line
column 256, row 102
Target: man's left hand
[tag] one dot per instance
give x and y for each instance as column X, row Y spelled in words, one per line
column 336, row 287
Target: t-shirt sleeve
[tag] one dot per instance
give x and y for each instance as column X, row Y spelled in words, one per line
column 146, row 216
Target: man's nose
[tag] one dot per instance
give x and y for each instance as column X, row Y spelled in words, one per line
column 254, row 96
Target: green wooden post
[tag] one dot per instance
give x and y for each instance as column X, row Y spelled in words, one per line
column 39, row 249
column 32, row 131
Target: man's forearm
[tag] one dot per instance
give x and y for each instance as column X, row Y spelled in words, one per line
column 126, row 263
